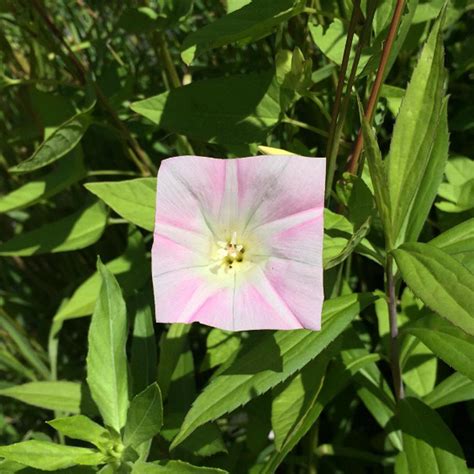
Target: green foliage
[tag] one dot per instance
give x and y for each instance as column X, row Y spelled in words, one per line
column 95, row 95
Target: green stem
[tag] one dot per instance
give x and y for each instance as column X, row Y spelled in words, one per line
column 394, row 343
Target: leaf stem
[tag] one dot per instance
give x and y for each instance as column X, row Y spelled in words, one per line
column 139, row 157
column 333, row 143
column 379, row 78
column 392, row 317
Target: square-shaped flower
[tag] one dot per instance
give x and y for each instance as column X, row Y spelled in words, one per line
column 238, row 242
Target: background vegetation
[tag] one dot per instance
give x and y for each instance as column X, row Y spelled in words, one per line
column 94, row 94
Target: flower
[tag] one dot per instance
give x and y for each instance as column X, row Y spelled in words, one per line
column 238, row 242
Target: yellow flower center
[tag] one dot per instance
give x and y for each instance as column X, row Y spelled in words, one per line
column 228, row 254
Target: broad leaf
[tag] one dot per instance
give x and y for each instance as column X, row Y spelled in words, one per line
column 69, row 170
column 454, row 389
column 285, row 351
column 145, row 416
column 107, row 360
column 414, row 155
column 49, row 456
column 58, row 395
column 59, row 143
column 250, row 23
column 205, row 110
column 447, row 341
column 76, row 231
column 133, row 199
column 440, row 281
column 131, row 270
column 81, row 427
column 428, row 443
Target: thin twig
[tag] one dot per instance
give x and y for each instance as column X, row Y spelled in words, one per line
column 332, row 146
column 394, row 346
column 379, row 78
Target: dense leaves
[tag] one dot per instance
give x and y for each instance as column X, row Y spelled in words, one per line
column 95, row 95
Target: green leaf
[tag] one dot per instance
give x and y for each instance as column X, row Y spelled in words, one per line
column 49, row 456
column 107, row 360
column 206, row 111
column 331, row 40
column 378, row 176
column 76, row 231
column 454, row 389
column 285, row 351
column 447, row 341
column 428, row 443
column 145, row 416
column 337, row 378
column 69, row 170
column 221, row 346
column 292, row 399
column 250, row 23
column 59, row 395
column 143, row 352
column 173, row 467
column 416, row 149
column 442, row 283
column 81, row 427
column 458, row 191
column 133, row 199
column 132, row 272
column 58, row 144
column 458, row 242
column 432, row 176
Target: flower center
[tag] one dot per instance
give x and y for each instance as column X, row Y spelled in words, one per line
column 229, row 254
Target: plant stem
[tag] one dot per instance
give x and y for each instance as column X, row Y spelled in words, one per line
column 139, row 157
column 392, row 317
column 333, row 143
column 379, row 78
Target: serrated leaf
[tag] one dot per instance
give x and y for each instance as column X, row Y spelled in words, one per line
column 447, row 341
column 287, row 351
column 145, row 416
column 55, row 395
column 106, row 359
column 206, row 111
column 250, row 23
column 415, row 141
column 131, row 270
column 76, row 231
column 49, row 456
column 81, row 427
column 454, row 389
column 440, row 281
column 58, row 144
column 428, row 443
column 69, row 170
column 133, row 199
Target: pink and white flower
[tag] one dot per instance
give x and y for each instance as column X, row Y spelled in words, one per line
column 238, row 242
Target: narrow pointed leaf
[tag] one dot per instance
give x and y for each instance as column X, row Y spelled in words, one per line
column 454, row 389
column 76, row 231
column 288, row 351
column 63, row 140
column 173, row 467
column 106, row 360
column 49, row 456
column 52, row 395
